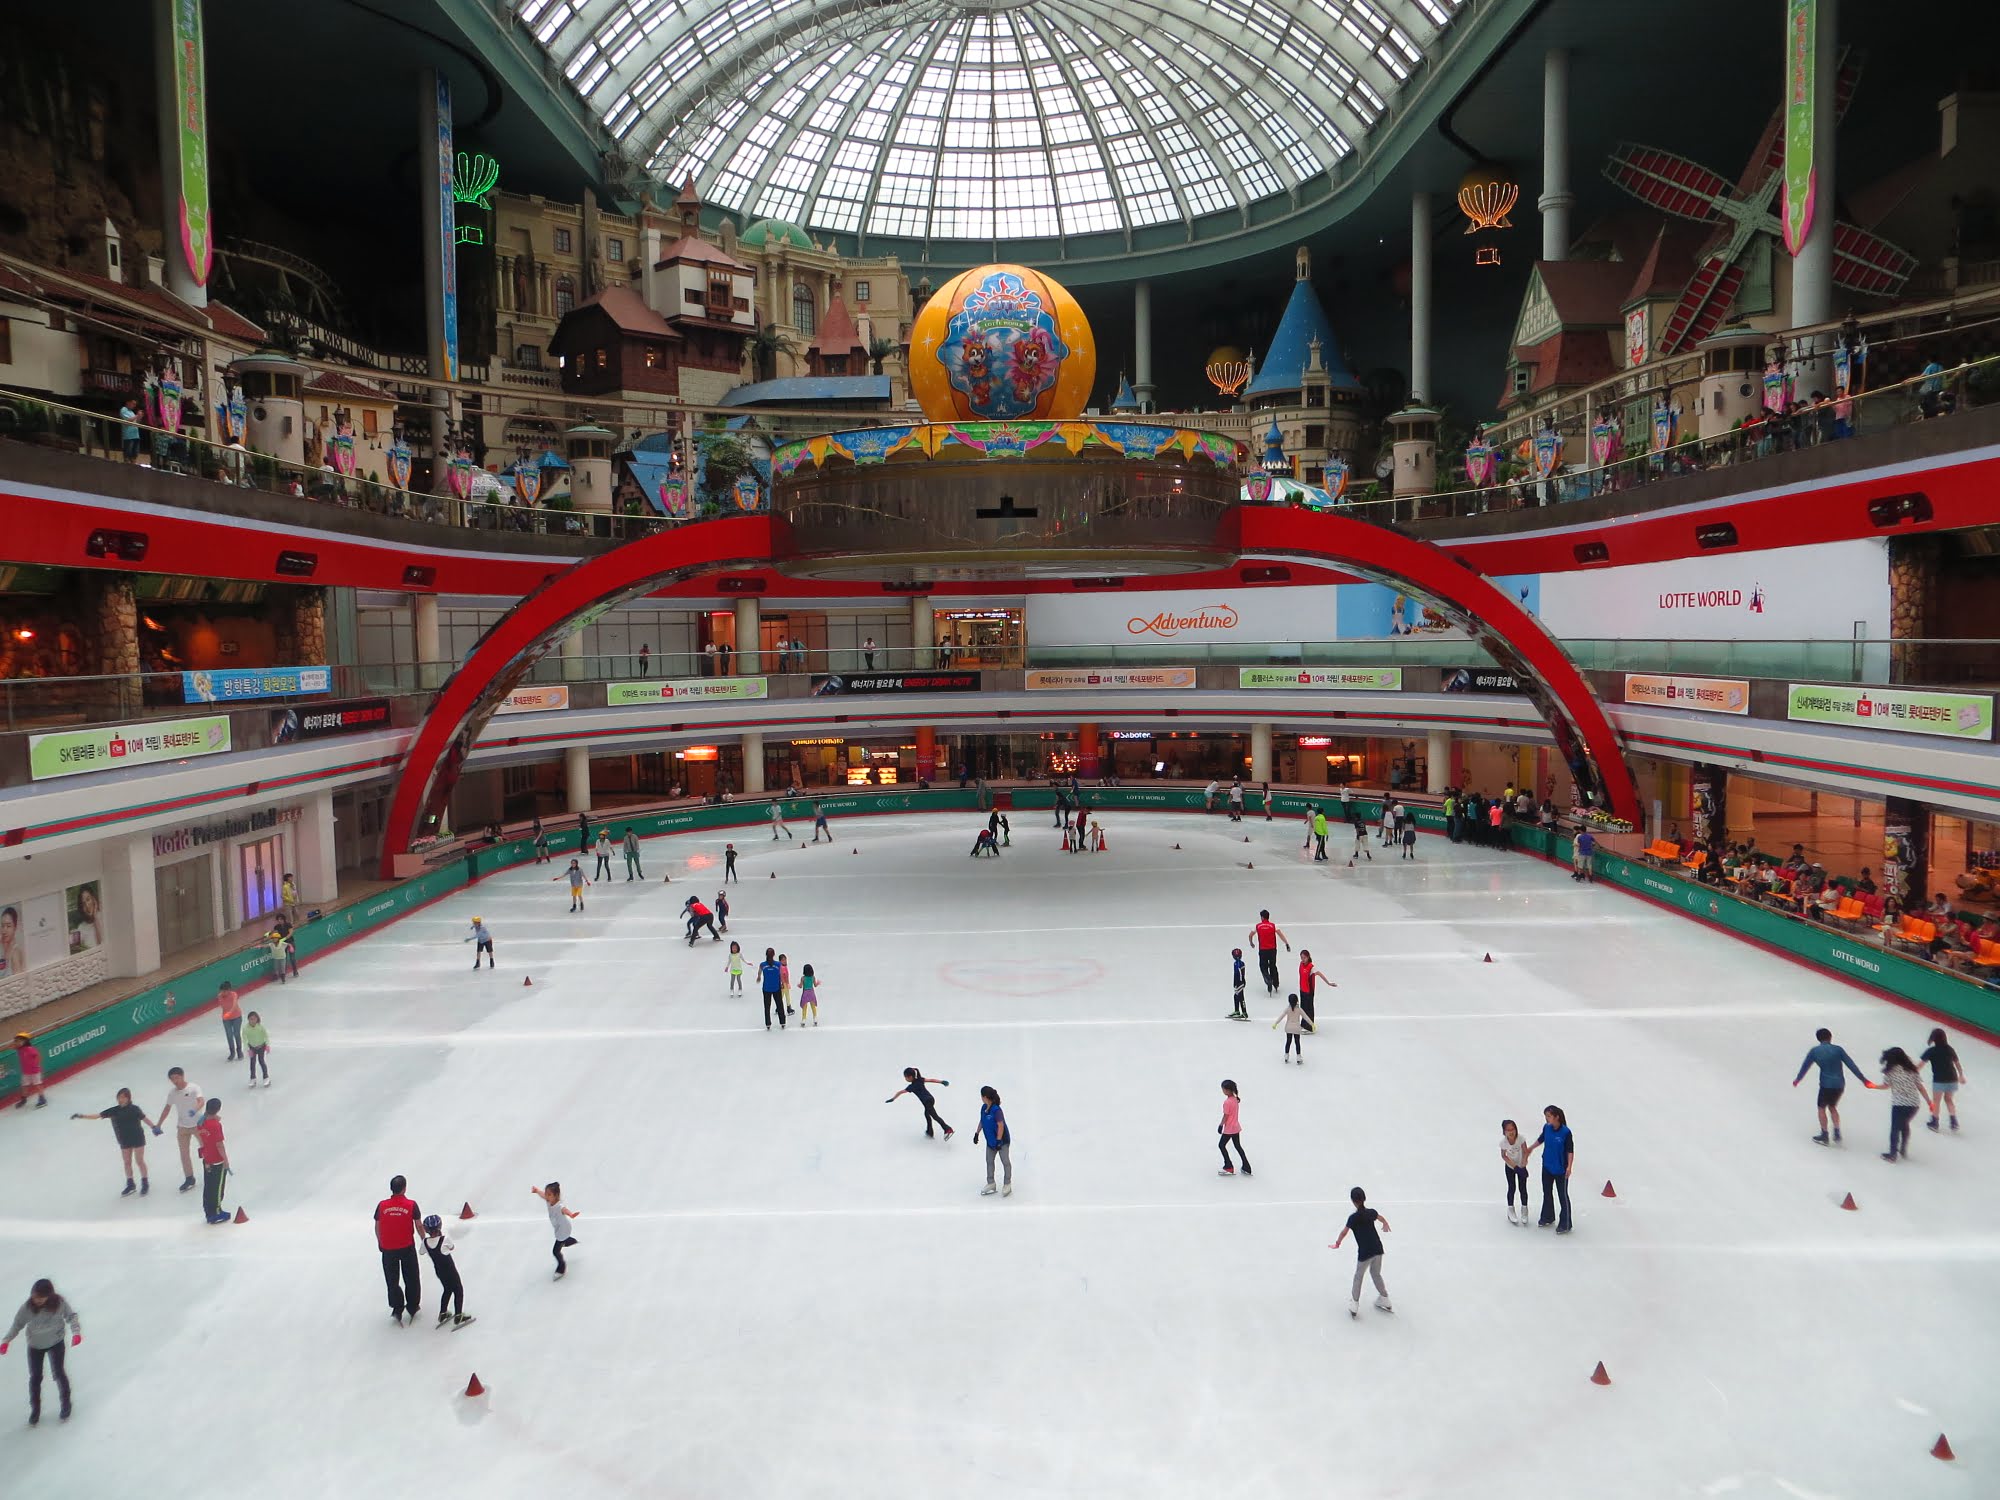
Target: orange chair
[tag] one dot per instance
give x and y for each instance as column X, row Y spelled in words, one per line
column 1850, row 911
column 1987, row 954
column 1660, row 851
column 1693, row 863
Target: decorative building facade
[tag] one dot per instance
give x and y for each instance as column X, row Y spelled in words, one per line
column 1304, row 387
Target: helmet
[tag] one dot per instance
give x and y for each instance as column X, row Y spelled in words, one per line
column 1235, row 952
column 433, row 1224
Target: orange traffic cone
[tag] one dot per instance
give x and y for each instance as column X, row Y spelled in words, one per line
column 1609, row 1191
column 466, row 1212
column 1488, row 959
column 1942, row 1449
column 241, row 1217
column 1600, row 1376
column 1849, row 1203
column 474, row 1388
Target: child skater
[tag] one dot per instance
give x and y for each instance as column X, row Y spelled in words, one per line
column 735, row 967
column 482, row 936
column 1230, row 1131
column 559, row 1218
column 1309, row 978
column 576, row 885
column 1367, row 1251
column 258, row 1041
column 785, row 983
column 1294, row 1021
column 128, row 1128
column 1409, row 835
column 808, row 995
column 999, row 1141
column 1514, row 1158
column 1237, row 979
column 913, row 1083
column 438, row 1245
column 1361, row 848
column 722, row 911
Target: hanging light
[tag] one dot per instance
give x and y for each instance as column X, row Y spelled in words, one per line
column 1486, row 195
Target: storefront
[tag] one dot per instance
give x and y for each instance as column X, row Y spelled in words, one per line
column 992, row 637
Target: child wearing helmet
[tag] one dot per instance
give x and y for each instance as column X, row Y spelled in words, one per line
column 482, row 936
column 1236, row 982
column 438, row 1245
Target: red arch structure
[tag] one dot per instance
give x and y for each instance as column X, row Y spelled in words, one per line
column 571, row 599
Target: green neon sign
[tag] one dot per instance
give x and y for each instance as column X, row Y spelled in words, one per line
column 473, row 177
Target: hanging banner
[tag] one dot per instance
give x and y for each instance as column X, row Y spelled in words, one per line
column 1335, row 482
column 1548, row 451
column 674, row 497
column 1665, row 420
column 1340, row 679
column 896, row 682
column 1774, row 387
column 1478, row 680
column 1966, row 716
column 528, row 482
column 340, row 450
column 1257, row 489
column 1605, row 441
column 255, row 682
column 235, row 414
column 626, row 694
column 399, row 465
column 460, row 475
column 534, row 700
column 170, row 402
column 1801, row 188
column 447, row 228
column 746, row 492
column 74, row 752
column 1482, row 463
column 289, row 724
column 1710, row 695
column 190, row 89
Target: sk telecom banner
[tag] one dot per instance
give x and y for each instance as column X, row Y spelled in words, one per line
column 534, row 700
column 896, row 682
column 74, row 752
column 1344, row 679
column 266, row 682
column 289, row 724
column 1070, row 679
column 1965, row 716
column 681, row 690
column 1710, row 695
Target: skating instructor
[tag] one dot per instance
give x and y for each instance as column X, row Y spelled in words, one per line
column 1267, row 935
column 396, row 1220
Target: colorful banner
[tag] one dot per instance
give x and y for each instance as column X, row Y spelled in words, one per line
column 1340, row 679
column 447, row 227
column 289, row 724
column 674, row 497
column 76, row 752
column 1548, row 451
column 1334, row 482
column 746, row 492
column 1666, row 419
column 1965, row 716
column 896, row 682
column 625, row 694
column 399, row 464
column 340, row 449
column 528, row 482
column 255, row 682
column 1071, row 679
column 1801, row 187
column 1709, row 695
column 1606, row 438
column 170, row 402
column 1776, row 387
column 190, row 85
column 235, row 414
column 534, row 700
column 1478, row 680
column 460, row 475
column 1482, row 463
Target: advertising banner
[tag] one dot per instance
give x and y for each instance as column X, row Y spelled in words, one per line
column 1801, row 186
column 1166, row 616
column 1829, row 591
column 686, row 689
column 447, row 232
column 190, row 147
column 1478, row 680
column 896, row 682
column 1343, row 679
column 255, row 682
column 1375, row 611
column 348, row 717
column 534, row 700
column 1712, row 695
column 1965, row 716
column 1070, row 679
column 74, row 752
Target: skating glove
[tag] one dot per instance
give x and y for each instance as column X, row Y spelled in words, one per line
column 75, row 1339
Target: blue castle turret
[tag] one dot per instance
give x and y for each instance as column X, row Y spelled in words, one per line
column 1310, row 395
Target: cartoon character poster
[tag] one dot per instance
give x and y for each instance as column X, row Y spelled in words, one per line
column 1002, row 350
column 1380, row 611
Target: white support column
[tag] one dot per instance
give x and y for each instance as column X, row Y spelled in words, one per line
column 1556, row 200
column 1142, row 343
column 1812, row 267
column 129, row 895
column 1420, row 298
column 744, row 660
column 1437, row 762
column 576, row 777
column 923, row 634
column 316, row 851
column 424, row 620
column 574, row 668
column 1260, row 752
column 753, row 763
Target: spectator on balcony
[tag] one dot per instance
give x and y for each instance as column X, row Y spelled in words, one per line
column 1930, row 390
column 1865, row 886
column 645, row 659
column 708, row 659
column 129, row 433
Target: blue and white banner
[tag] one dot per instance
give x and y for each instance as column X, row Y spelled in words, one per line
column 255, row 682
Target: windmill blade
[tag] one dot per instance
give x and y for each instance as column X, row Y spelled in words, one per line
column 1704, row 304
column 1670, row 183
column 1867, row 263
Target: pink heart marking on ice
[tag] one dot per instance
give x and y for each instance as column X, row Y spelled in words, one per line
column 1022, row 977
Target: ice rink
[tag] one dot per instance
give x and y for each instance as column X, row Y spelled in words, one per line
column 781, row 1288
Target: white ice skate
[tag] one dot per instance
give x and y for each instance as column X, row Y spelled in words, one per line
column 1354, row 1309
column 1383, row 1304
column 988, row 1191
column 1007, row 1191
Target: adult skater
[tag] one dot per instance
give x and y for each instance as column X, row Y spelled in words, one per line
column 396, row 1220
column 481, row 937
column 819, row 824
column 541, row 837
column 42, row 1317
column 1829, row 1059
column 602, row 850
column 729, row 865
column 913, row 1084
column 128, row 1128
column 1367, row 1252
column 214, row 1164
column 582, row 832
column 985, row 844
column 29, row 1057
column 1906, row 1088
column 184, row 1103
column 1267, row 935
column 778, row 822
column 1319, row 830
column 1293, row 1019
column 1230, row 1131
column 1947, row 1073
column 1360, row 843
column 698, row 917
column 1579, row 855
column 576, row 884
column 1236, row 801
column 771, row 979
column 1309, row 979
column 231, row 1006
column 258, row 1040
column 1208, row 795
column 444, row 1266
column 1312, row 816
column 1558, row 1148
column 632, row 870
column 999, row 1140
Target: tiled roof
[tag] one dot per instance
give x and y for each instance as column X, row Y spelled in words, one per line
column 699, row 252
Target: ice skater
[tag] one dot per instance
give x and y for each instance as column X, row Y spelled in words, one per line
column 698, row 917
column 632, row 870
column 734, row 968
column 999, row 1140
column 559, row 1217
column 1361, row 848
column 984, row 843
column 602, row 849
column 1237, row 980
column 1312, row 819
column 1230, row 1132
column 231, row 1006
column 128, row 1128
column 1309, row 978
column 396, row 1220
column 722, row 911
column 258, row 1040
column 913, row 1084
column 785, row 982
column 482, row 937
column 1236, row 801
column 1409, row 834
column 577, row 882
column 778, row 822
column 770, row 980
column 29, row 1057
column 819, row 824
column 729, row 865
column 808, row 995
column 1558, row 1147
column 1514, row 1161
column 1906, row 1089
column 1267, row 935
column 1293, row 1019
column 42, row 1317
column 1947, row 1073
column 541, row 842
column 1829, row 1059
column 184, row 1103
column 214, row 1164
column 1367, row 1252
column 444, row 1266
column 1579, row 856
column 1006, row 832
column 1319, row 832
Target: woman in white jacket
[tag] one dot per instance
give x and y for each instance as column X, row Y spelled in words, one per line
column 43, row 1316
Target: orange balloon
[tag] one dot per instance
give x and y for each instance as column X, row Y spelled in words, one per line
column 1002, row 343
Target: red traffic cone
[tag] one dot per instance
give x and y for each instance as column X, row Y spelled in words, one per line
column 466, row 1212
column 527, row 983
column 1600, row 1376
column 1177, row 846
column 1849, row 1203
column 1942, row 1449
column 1609, row 1191
column 1488, row 959
column 853, row 851
column 1246, row 838
column 774, row 874
column 241, row 1217
column 474, row 1388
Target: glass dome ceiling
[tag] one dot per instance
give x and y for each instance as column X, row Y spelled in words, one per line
column 1005, row 120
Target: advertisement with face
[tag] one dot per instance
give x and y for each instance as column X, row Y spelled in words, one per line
column 1376, row 611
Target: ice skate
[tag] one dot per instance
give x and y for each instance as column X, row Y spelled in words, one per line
column 1246, row 1170
column 443, row 1318
column 63, row 1415
column 988, row 1191
column 1354, row 1309
column 1007, row 1190
column 145, row 1186
column 1954, row 1122
column 459, row 1320
column 1836, row 1135
column 1227, row 1172
column 1383, row 1304
column 1821, row 1139
column 1932, row 1123
column 187, row 1185
column 129, row 1189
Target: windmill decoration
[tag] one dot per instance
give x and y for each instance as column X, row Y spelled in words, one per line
column 1742, row 213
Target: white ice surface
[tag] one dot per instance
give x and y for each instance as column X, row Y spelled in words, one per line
column 782, row 1289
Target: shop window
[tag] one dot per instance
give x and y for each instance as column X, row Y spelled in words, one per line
column 603, row 359
column 563, row 242
column 565, row 294
column 804, row 313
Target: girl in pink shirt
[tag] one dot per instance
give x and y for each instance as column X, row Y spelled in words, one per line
column 1230, row 1132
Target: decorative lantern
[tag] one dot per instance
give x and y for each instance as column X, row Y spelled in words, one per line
column 1486, row 195
column 1002, row 343
column 1228, row 370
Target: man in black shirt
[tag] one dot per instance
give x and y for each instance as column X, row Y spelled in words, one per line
column 1367, row 1252
column 128, row 1127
